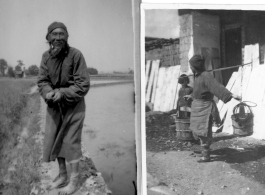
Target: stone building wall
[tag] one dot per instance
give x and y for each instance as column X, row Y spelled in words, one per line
column 185, row 38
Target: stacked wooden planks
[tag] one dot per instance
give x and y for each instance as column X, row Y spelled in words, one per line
column 150, row 78
column 162, row 85
column 147, row 72
column 250, row 83
column 239, row 88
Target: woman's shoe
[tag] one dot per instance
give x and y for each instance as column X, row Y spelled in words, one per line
column 205, row 156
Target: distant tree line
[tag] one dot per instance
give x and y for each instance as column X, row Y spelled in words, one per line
column 32, row 70
column 92, row 71
column 118, row 72
column 3, row 66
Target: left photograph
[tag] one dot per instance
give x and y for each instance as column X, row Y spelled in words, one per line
column 67, row 104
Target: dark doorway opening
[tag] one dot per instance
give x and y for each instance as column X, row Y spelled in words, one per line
column 233, row 52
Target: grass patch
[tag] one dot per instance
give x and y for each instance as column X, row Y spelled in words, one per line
column 12, row 101
column 19, row 152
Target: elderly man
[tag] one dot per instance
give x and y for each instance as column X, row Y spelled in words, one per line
column 203, row 108
column 63, row 82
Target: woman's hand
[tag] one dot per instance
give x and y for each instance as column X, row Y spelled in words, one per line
column 237, row 97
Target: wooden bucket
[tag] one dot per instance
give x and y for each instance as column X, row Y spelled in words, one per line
column 183, row 130
column 182, row 124
column 185, row 135
column 242, row 121
column 242, row 128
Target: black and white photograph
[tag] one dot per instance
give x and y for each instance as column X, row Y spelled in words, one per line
column 67, row 103
column 127, row 97
column 204, row 93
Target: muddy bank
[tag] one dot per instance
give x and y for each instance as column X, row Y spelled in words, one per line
column 237, row 166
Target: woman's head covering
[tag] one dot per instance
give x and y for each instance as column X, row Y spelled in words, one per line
column 55, row 25
column 183, row 79
column 197, row 62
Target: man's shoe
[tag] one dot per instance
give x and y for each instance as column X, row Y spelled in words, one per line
column 72, row 186
column 59, row 182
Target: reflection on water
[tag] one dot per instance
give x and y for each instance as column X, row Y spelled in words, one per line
column 92, row 134
column 108, row 134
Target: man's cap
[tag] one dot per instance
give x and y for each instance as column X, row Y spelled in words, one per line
column 55, row 25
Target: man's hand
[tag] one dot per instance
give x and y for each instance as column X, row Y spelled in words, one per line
column 237, row 97
column 57, row 96
column 50, row 95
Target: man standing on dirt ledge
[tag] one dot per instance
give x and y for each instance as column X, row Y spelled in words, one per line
column 203, row 108
column 63, row 82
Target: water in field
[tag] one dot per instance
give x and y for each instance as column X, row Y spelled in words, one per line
column 109, row 135
column 105, row 81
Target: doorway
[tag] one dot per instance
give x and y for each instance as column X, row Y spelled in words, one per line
column 232, row 51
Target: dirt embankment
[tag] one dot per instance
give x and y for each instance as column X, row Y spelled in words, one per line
column 237, row 166
column 21, row 162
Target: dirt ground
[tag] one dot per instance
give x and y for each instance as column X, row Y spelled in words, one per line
column 237, row 165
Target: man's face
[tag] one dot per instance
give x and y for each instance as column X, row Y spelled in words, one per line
column 58, row 38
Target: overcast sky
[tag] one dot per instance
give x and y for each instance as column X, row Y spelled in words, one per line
column 163, row 23
column 101, row 29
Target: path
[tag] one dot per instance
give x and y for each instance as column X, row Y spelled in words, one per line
column 181, row 173
column 237, row 166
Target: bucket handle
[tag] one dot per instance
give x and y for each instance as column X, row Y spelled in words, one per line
column 243, row 104
column 243, row 126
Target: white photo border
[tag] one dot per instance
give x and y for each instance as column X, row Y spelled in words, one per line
column 157, row 4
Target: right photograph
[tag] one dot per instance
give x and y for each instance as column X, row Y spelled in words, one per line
column 204, row 100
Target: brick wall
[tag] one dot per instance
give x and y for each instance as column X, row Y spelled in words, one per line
column 185, row 39
column 169, row 54
column 206, row 40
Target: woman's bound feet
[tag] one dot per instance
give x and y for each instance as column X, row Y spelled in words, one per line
column 205, row 156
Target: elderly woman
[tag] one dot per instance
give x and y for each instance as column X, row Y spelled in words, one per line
column 203, row 108
column 63, row 82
